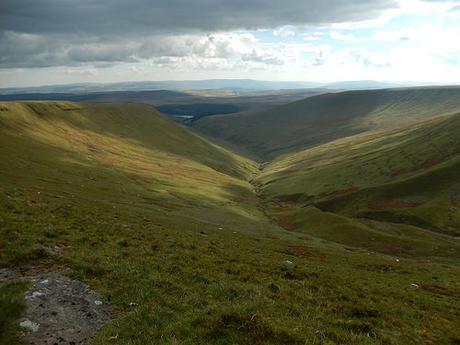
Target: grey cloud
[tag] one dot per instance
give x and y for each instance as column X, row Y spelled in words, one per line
column 121, row 17
column 452, row 9
column 262, row 57
column 39, row 33
column 24, row 50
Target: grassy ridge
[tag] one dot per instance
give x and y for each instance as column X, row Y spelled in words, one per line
column 320, row 119
column 402, row 240
column 147, row 213
column 429, row 200
column 386, row 191
column 363, row 161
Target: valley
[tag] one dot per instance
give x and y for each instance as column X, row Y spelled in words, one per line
column 229, row 172
column 322, row 118
column 329, row 220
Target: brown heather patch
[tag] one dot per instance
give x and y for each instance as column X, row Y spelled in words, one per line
column 430, row 163
column 425, row 165
column 306, row 252
column 391, row 248
column 342, row 192
column 396, row 203
column 286, row 222
column 398, row 172
column 440, row 290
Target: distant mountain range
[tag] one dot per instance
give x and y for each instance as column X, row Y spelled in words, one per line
column 213, row 84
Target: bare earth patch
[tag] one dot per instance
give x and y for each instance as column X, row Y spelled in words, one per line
column 59, row 310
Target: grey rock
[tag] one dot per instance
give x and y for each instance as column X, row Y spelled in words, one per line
column 59, row 310
column 29, row 325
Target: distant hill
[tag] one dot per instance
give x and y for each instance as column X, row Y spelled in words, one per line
column 150, row 97
column 362, row 85
column 194, row 104
column 211, row 84
column 320, row 119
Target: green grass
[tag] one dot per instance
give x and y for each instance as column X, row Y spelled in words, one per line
column 385, row 237
column 197, row 284
column 12, row 304
column 324, row 118
column 146, row 212
column 428, row 200
column 404, row 176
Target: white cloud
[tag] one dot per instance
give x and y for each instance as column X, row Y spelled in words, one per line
column 285, row 31
column 394, row 35
column 313, row 36
column 340, row 36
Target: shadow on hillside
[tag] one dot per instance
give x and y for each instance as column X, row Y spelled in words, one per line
column 324, row 118
column 142, row 125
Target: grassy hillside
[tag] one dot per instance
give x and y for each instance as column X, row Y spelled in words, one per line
column 320, row 119
column 388, row 191
column 119, row 155
column 365, row 160
column 89, row 129
column 165, row 225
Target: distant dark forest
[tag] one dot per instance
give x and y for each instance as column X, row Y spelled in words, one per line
column 198, row 110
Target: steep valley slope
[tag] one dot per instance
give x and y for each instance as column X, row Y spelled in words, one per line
column 389, row 191
column 320, row 119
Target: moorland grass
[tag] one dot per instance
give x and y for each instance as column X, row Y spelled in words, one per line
column 316, row 120
column 181, row 245
column 407, row 176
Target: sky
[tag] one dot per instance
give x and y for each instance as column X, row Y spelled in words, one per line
column 46, row 42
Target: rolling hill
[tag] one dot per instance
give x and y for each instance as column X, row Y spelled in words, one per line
column 196, row 103
column 155, row 96
column 388, row 186
column 167, row 227
column 323, row 118
column 63, row 140
column 212, row 84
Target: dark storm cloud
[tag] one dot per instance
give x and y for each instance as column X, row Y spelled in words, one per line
column 109, row 17
column 36, row 33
